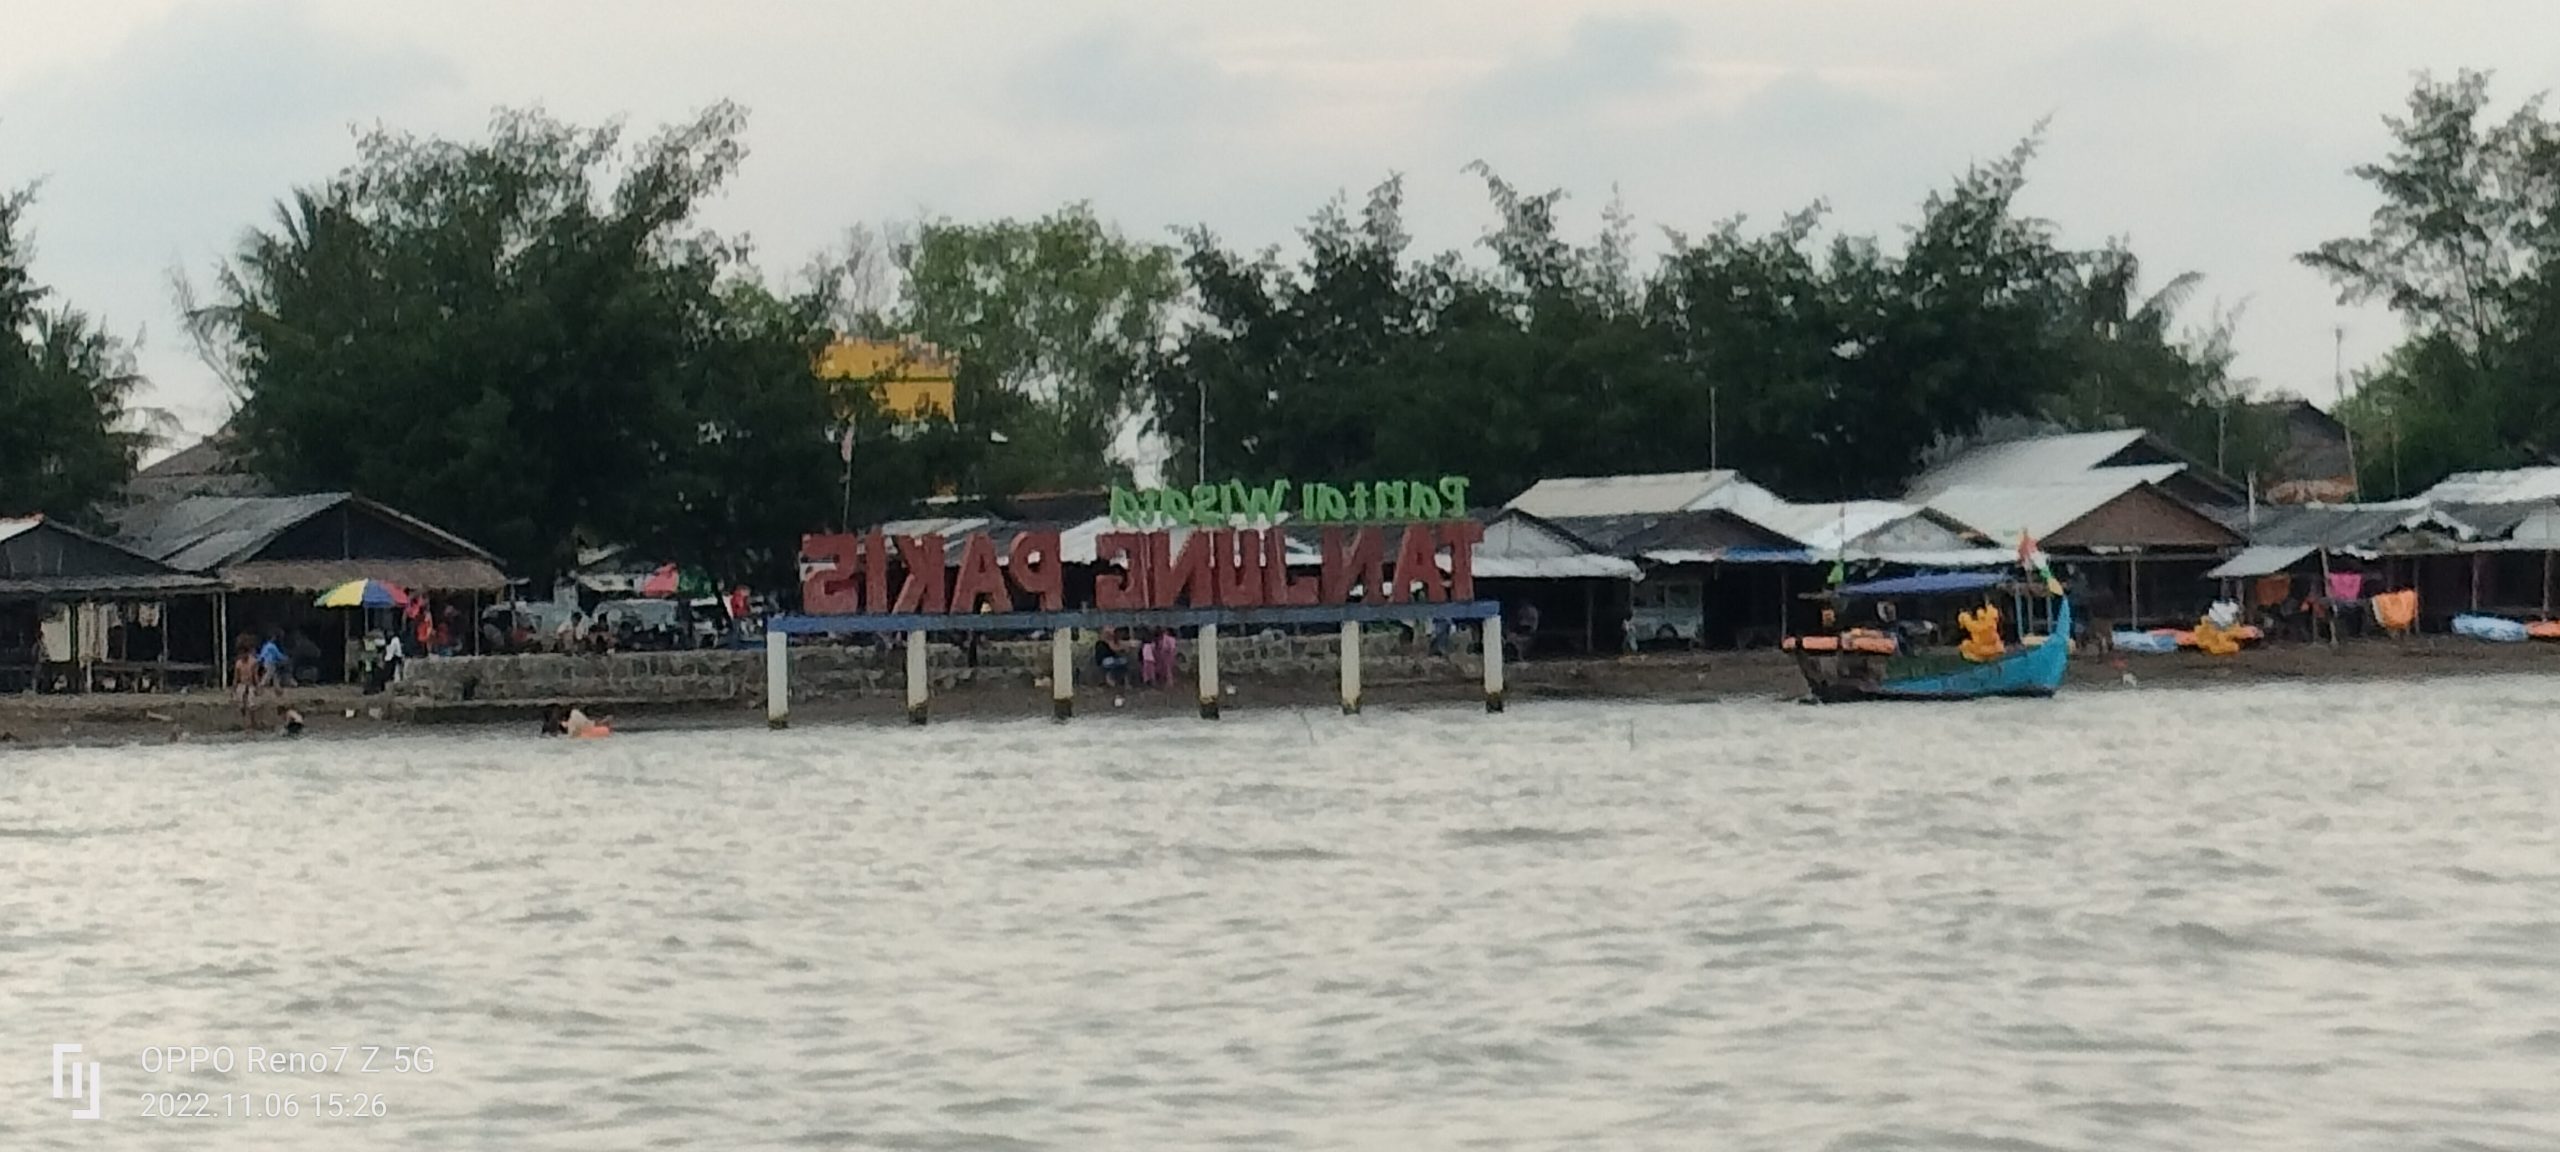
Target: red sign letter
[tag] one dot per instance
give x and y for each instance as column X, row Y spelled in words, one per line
column 828, row 565
column 979, row 577
column 1417, row 562
column 1046, row 579
column 1462, row 536
column 925, row 590
column 1126, row 551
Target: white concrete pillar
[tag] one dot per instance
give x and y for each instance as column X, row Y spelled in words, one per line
column 1208, row 671
column 777, row 679
column 919, row 676
column 1350, row 667
column 1493, row 663
column 1062, row 673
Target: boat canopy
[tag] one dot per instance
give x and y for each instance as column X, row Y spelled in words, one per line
column 1925, row 584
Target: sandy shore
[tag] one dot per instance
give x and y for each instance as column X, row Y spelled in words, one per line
column 37, row 721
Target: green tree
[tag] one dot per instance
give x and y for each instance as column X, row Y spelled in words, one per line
column 2462, row 246
column 1823, row 366
column 70, row 435
column 1050, row 320
column 530, row 339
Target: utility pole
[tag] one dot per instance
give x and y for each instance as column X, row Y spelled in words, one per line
column 1203, row 442
column 2338, row 379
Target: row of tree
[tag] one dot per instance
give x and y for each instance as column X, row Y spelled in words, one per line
column 531, row 338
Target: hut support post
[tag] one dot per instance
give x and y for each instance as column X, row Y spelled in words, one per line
column 1062, row 673
column 2477, row 559
column 919, row 676
column 2546, row 585
column 1493, row 663
column 1208, row 672
column 222, row 638
column 2325, row 599
column 2133, row 591
column 777, row 680
column 1350, row 667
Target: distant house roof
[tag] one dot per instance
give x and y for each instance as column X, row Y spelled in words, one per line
column 45, row 558
column 207, row 467
column 308, row 543
column 1520, row 546
column 1691, row 536
column 2314, row 461
column 1881, row 530
column 2107, row 509
column 2511, row 486
column 1638, row 495
column 2072, row 457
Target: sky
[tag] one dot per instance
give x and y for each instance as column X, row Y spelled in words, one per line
column 2212, row 137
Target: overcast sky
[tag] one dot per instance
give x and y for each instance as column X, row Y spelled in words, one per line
column 2215, row 136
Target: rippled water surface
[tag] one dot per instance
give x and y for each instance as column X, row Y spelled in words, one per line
column 2276, row 918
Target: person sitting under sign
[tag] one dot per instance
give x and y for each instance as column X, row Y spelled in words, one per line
column 1109, row 660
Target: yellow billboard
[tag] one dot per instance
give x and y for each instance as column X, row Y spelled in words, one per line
column 910, row 378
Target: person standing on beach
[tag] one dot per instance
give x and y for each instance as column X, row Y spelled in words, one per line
column 274, row 667
column 244, row 680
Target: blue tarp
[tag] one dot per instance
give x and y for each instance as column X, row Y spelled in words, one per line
column 1927, row 583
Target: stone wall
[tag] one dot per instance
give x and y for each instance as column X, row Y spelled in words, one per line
column 820, row 670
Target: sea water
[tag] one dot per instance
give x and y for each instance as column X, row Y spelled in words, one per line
column 2265, row 918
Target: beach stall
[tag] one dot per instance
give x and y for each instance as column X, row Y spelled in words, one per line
column 78, row 613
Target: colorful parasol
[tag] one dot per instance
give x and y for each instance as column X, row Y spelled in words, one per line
column 364, row 594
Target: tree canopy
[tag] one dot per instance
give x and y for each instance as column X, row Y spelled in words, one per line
column 1825, row 365
column 2462, row 247
column 70, row 435
column 529, row 339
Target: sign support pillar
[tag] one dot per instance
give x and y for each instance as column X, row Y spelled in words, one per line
column 1208, row 671
column 1350, row 667
column 919, row 676
column 777, row 680
column 1062, row 673
column 1493, row 663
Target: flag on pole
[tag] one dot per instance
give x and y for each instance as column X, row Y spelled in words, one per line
column 1839, row 574
column 2030, row 559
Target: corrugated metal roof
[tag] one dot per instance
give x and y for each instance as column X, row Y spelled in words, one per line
column 2002, row 511
column 1827, row 528
column 2512, row 486
column 2332, row 526
column 1729, row 556
column 1587, row 566
column 2260, row 560
column 110, row 585
column 2487, row 520
column 202, row 533
column 2030, row 462
column 1652, row 494
column 1950, row 558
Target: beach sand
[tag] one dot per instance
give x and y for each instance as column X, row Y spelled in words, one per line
column 36, row 721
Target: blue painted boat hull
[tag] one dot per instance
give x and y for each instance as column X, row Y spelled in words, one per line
column 2036, row 671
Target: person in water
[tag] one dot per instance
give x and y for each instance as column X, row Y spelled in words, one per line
column 558, row 720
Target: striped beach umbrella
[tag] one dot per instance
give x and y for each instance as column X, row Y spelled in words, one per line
column 364, row 594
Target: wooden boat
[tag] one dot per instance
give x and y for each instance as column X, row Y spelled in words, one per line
column 1840, row 673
